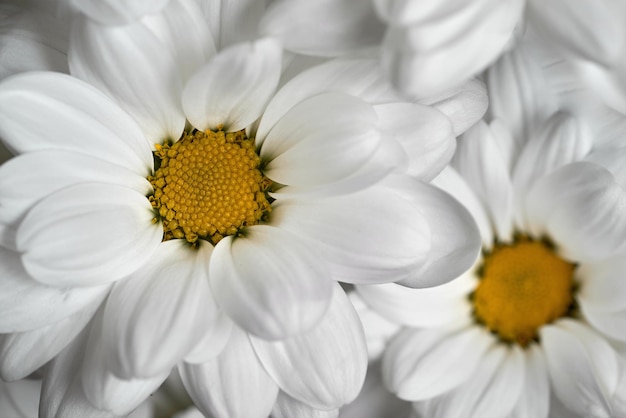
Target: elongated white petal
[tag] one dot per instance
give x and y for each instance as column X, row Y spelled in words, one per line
column 581, row 207
column 464, row 105
column 433, row 306
column 493, row 391
column 361, row 78
column 378, row 330
column 519, row 93
column 288, row 407
column 561, row 140
column 610, row 323
column 535, row 398
column 233, row 385
column 450, row 181
column 602, row 284
column 448, row 45
column 270, row 281
column 333, row 131
column 213, row 342
column 372, row 236
column 579, row 373
column 26, row 179
column 582, row 30
column 118, row 12
column 325, row 367
column 419, row 365
column 348, row 26
column 481, row 163
column 183, row 30
column 136, row 68
column 20, row 399
column 425, row 134
column 154, row 318
column 23, row 353
column 33, row 39
column 454, row 237
column 27, row 305
column 231, row 91
column 231, row 22
column 88, row 234
column 44, row 111
column 611, row 159
column 62, row 394
column 101, row 387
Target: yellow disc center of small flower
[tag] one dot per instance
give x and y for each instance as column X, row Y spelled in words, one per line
column 523, row 286
column 208, row 185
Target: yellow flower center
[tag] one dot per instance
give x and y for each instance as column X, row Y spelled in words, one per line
column 523, row 286
column 208, row 185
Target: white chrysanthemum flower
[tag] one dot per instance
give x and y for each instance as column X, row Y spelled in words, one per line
column 200, row 198
column 542, row 312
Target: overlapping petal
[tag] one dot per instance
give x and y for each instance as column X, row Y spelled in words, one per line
column 325, row 367
column 88, row 234
column 154, row 318
column 118, row 12
column 231, row 91
column 233, row 385
column 270, row 281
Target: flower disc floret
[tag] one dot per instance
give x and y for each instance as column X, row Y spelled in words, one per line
column 523, row 286
column 208, row 185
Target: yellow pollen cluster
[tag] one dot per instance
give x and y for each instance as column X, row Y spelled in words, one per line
column 209, row 186
column 523, row 286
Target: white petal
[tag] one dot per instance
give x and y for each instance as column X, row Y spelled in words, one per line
column 347, row 26
column 43, row 111
column 535, row 398
column 372, row 236
column 419, row 365
column 62, row 393
column 213, row 342
column 454, row 237
column 88, row 234
column 612, row 159
column 325, row 367
column 231, row 91
column 361, row 78
column 182, row 28
column 404, row 12
column 118, row 12
column 20, row 399
column 519, row 93
column 23, row 353
column 581, row 29
column 493, row 391
column 106, row 391
column 231, row 22
column 27, row 305
column 449, row 45
column 27, row 178
column 425, row 134
column 560, row 140
column 581, row 207
column 464, row 105
column 288, row 407
column 233, row 385
column 611, row 323
column 133, row 66
column 155, row 317
column 321, row 140
column 270, row 281
column 33, row 39
column 575, row 379
column 481, row 163
column 602, row 284
column 433, row 306
column 451, row 182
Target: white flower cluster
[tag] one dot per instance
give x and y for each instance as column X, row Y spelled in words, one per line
column 312, row 209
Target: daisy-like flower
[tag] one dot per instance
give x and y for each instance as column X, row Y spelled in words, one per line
column 213, row 215
column 541, row 314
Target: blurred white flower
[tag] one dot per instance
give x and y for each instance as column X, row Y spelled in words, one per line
column 542, row 311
